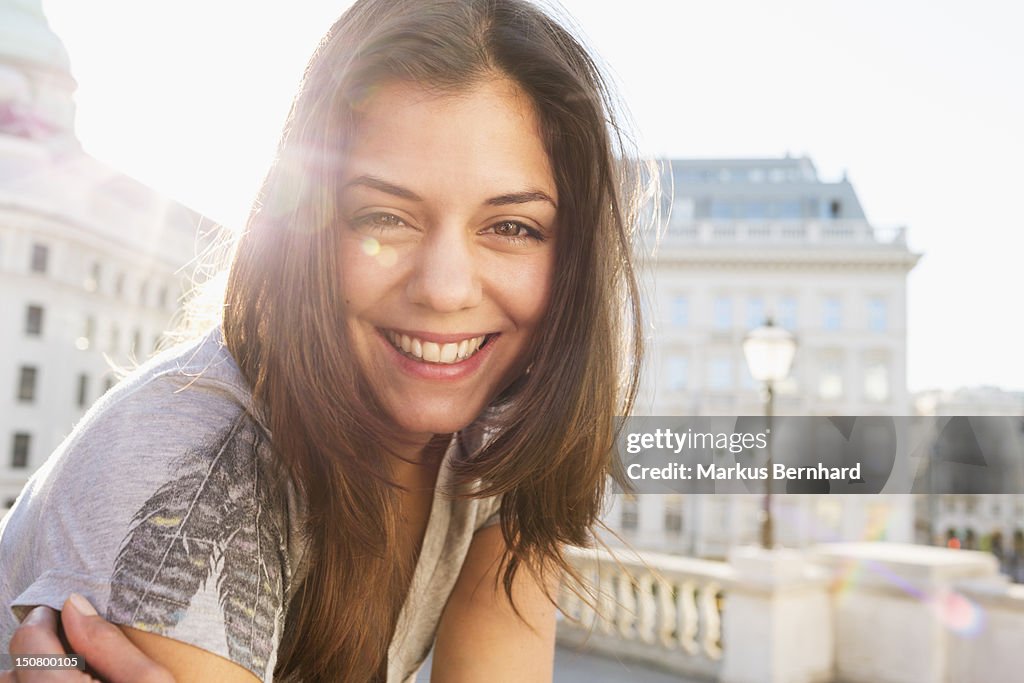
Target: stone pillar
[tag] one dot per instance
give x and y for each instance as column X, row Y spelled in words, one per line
column 897, row 608
column 777, row 623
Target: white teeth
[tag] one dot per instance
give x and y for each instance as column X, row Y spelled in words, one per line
column 449, row 352
column 432, row 352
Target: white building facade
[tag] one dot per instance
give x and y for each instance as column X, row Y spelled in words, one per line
column 990, row 522
column 92, row 263
column 747, row 240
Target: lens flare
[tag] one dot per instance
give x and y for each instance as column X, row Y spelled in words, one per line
column 371, row 247
column 958, row 613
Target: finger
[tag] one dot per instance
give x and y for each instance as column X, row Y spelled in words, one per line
column 106, row 649
column 37, row 634
column 45, row 676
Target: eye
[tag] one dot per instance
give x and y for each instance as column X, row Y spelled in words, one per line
column 379, row 221
column 516, row 231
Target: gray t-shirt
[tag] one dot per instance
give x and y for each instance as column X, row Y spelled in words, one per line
column 161, row 507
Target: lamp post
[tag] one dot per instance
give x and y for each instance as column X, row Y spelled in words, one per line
column 769, row 351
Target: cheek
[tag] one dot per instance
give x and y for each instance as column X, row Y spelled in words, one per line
column 529, row 290
column 363, row 277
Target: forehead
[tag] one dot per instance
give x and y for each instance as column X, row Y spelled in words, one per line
column 485, row 137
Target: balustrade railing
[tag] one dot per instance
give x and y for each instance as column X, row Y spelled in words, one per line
column 853, row 612
column 825, row 232
column 661, row 609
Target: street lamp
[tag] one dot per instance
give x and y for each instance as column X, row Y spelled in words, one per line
column 769, row 351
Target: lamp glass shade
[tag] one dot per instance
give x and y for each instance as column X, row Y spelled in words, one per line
column 769, row 351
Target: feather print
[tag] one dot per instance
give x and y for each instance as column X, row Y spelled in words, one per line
column 224, row 510
column 250, row 583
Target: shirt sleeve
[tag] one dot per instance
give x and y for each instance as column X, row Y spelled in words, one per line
column 171, row 523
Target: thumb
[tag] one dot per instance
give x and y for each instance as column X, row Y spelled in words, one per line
column 106, row 649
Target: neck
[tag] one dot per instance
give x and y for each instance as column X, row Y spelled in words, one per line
column 415, row 464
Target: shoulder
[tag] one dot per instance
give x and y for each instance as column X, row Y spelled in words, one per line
column 165, row 507
column 184, row 401
column 189, row 379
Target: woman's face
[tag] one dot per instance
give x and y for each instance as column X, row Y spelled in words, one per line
column 448, row 206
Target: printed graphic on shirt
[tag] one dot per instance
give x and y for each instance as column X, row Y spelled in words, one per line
column 222, row 515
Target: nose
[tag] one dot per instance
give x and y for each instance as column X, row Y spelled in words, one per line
column 445, row 278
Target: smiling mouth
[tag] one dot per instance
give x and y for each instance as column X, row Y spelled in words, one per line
column 433, row 352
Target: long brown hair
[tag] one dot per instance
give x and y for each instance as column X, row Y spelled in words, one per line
column 284, row 322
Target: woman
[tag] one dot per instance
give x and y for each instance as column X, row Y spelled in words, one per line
column 409, row 408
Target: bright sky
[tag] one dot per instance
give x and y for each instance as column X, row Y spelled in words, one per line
column 918, row 100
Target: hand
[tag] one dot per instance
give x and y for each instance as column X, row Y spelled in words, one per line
column 104, row 646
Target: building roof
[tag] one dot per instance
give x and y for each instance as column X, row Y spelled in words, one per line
column 784, row 188
column 68, row 185
column 26, row 37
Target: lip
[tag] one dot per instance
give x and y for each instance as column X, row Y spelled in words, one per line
column 434, row 336
column 449, row 372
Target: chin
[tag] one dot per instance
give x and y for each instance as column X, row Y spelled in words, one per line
column 435, row 424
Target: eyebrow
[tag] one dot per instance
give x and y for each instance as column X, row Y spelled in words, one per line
column 507, row 199
column 521, row 198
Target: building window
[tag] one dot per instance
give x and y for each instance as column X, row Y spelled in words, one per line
column 109, row 383
column 92, row 283
column 83, row 390
column 720, row 374
column 877, row 315
column 790, row 209
column 678, row 373
column 830, row 381
column 88, row 333
column 27, row 383
column 754, row 210
column 19, row 450
column 630, row 518
column 787, row 317
column 9, row 503
column 680, row 311
column 137, row 341
column 674, row 514
column 115, row 337
column 144, row 293
column 34, row 321
column 755, row 313
column 832, row 314
column 722, row 210
column 682, row 209
column 40, row 258
column 876, row 382
column 722, row 313
column 163, row 297
column 119, row 285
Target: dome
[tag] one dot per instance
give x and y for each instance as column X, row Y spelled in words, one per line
column 26, row 36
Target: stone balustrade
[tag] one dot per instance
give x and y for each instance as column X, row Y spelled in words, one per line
column 661, row 609
column 852, row 612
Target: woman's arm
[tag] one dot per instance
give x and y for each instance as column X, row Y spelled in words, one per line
column 480, row 638
column 187, row 662
column 118, row 653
